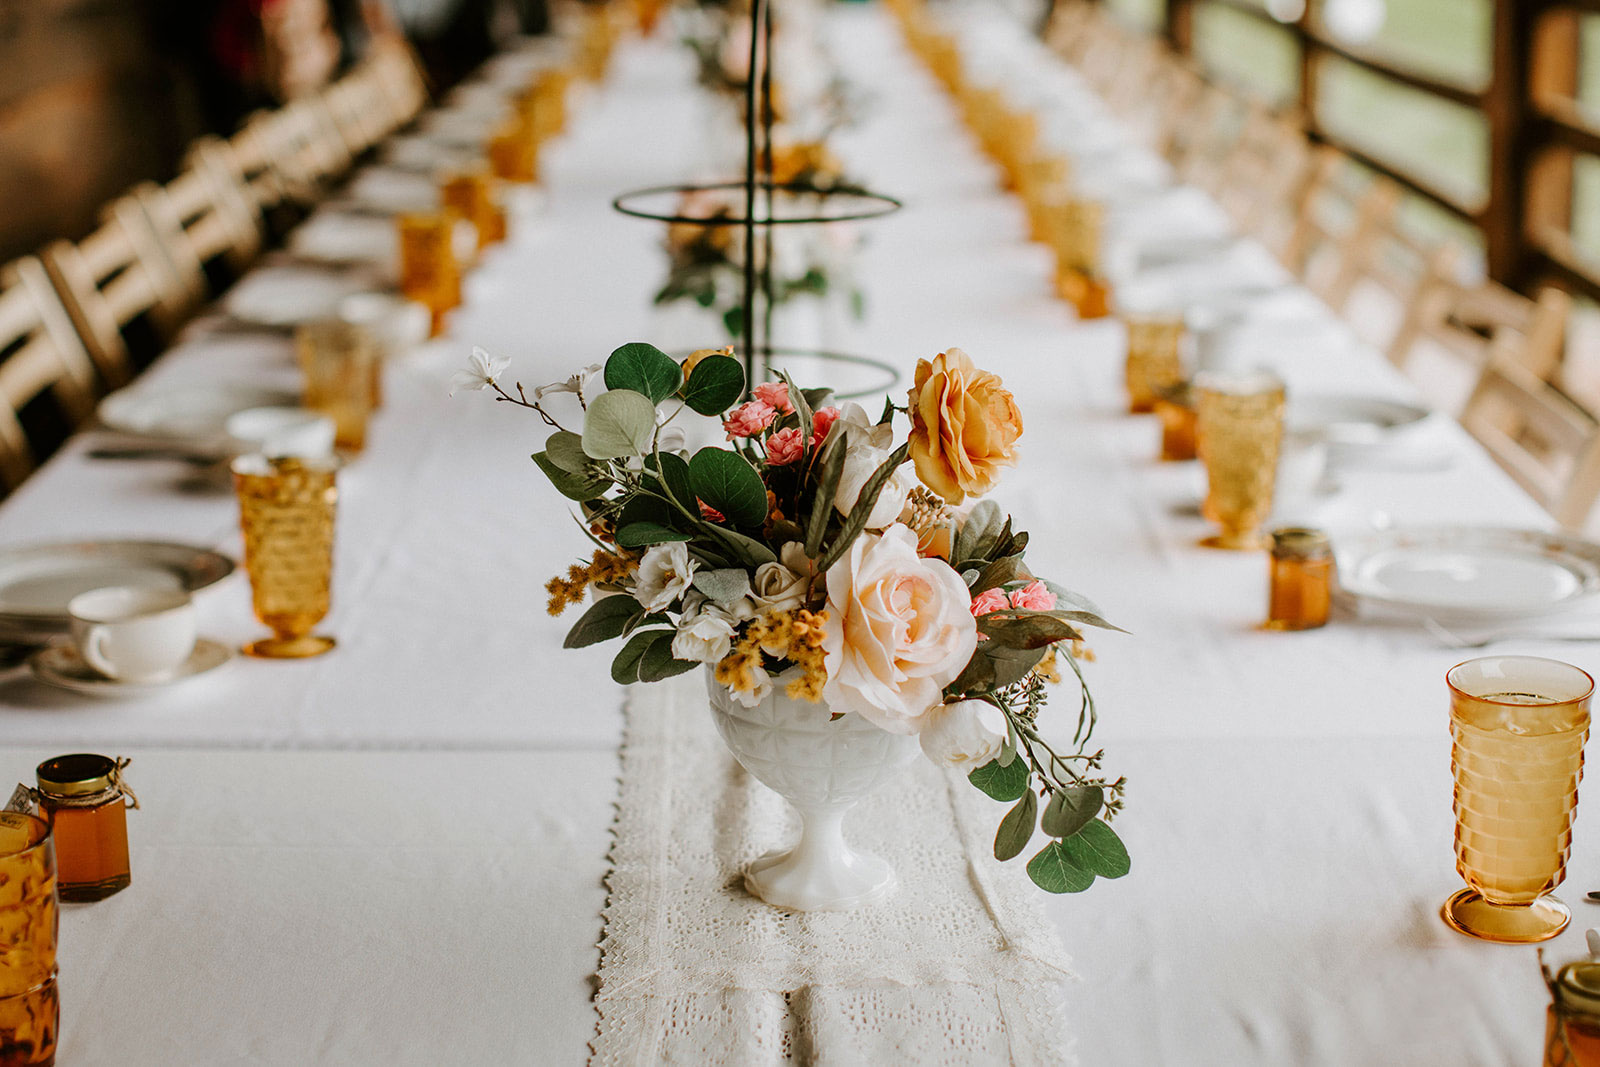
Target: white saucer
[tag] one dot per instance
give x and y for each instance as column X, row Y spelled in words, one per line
column 62, row 666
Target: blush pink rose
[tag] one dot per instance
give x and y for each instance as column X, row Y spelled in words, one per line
column 749, row 419
column 990, row 600
column 775, row 395
column 898, row 631
column 785, row 446
column 1034, row 597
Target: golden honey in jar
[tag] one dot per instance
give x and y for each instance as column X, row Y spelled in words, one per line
column 1301, row 594
column 85, row 801
column 1572, row 1024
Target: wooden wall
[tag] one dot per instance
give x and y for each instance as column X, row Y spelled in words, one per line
column 88, row 106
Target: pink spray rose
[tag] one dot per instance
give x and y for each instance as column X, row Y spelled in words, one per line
column 775, row 395
column 749, row 419
column 1034, row 597
column 821, row 422
column 785, row 446
column 990, row 600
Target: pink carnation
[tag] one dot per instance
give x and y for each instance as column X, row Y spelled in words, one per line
column 784, row 446
column 821, row 422
column 990, row 600
column 775, row 395
column 747, row 420
column 709, row 513
column 1034, row 597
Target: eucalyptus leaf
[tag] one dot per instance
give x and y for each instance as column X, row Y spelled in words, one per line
column 724, row 588
column 641, row 507
column 1097, row 848
column 618, row 424
column 565, row 450
column 752, row 553
column 606, row 618
column 1016, row 829
column 658, row 663
column 715, row 385
column 1054, row 871
column 643, row 368
column 572, row 486
column 625, row 668
column 1070, row 809
column 640, row 534
column 673, row 470
column 726, row 481
column 1001, row 783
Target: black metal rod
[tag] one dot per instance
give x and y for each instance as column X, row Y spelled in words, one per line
column 766, row 160
column 751, row 164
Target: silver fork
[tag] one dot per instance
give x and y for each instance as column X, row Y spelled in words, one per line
column 1452, row 640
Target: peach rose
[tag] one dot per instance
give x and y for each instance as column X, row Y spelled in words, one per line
column 899, row 630
column 964, row 426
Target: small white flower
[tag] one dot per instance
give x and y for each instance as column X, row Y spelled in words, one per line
column 763, row 687
column 664, row 575
column 577, row 383
column 860, row 463
column 966, row 734
column 481, row 371
column 705, row 638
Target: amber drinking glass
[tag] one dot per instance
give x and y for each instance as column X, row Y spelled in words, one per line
column 1155, row 358
column 1175, row 408
column 429, row 273
column 471, row 195
column 286, row 509
column 1238, row 431
column 30, row 1010
column 340, row 361
column 1518, row 725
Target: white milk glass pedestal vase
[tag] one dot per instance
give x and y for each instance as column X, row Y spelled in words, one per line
column 822, row 766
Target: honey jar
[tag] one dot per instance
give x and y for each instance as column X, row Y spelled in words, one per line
column 85, row 800
column 1302, row 579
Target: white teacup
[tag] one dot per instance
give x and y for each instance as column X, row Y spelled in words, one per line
column 133, row 634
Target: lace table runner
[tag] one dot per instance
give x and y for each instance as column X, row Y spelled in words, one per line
column 960, row 966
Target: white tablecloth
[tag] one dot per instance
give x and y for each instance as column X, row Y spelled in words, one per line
column 1289, row 811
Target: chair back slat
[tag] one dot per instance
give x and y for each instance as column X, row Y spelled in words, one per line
column 38, row 354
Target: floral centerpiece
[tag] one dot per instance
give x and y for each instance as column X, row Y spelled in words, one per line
column 806, row 565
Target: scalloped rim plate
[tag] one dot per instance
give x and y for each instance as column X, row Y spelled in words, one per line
column 37, row 581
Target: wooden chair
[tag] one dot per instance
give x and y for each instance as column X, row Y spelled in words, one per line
column 1202, row 144
column 400, row 77
column 1457, row 330
column 1337, row 211
column 1542, row 438
column 203, row 218
column 39, row 354
column 118, row 274
column 359, row 108
column 1259, row 178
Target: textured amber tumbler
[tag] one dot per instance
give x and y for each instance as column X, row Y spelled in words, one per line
column 343, row 372
column 30, row 1009
column 1238, row 430
column 286, row 508
column 429, row 273
column 1518, row 725
column 1155, row 358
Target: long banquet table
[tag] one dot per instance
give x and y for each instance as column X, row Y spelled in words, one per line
column 395, row 853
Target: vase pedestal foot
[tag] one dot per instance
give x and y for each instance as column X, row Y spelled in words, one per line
column 1523, row 924
column 821, row 873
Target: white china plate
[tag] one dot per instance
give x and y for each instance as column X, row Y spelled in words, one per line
column 61, row 665
column 393, row 191
column 346, row 237
column 1469, row 573
column 1350, row 419
column 280, row 297
column 36, row 581
column 424, row 155
column 195, row 413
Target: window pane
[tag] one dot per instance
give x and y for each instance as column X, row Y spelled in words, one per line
column 1446, row 39
column 1589, row 65
column 1586, row 208
column 1249, row 51
column 1145, row 14
column 1440, row 143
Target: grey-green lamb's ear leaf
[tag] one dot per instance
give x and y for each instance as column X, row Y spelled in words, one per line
column 619, row 424
column 715, row 385
column 625, row 668
column 1001, row 783
column 822, row 505
column 1097, row 848
column 1054, row 871
column 979, row 532
column 1071, row 809
column 644, row 369
column 1016, row 829
column 565, row 450
column 606, row 618
column 572, row 486
column 724, row 587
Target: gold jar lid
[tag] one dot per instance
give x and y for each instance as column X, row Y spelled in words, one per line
column 80, row 774
column 1577, row 987
column 1300, row 542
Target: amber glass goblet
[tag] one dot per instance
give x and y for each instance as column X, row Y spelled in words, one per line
column 286, row 509
column 429, row 273
column 1518, row 724
column 30, row 1010
column 342, row 368
column 1155, row 358
column 1238, row 431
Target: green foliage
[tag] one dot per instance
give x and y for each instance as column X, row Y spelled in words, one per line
column 1053, row 871
column 1001, row 783
column 715, row 385
column 1070, row 809
column 723, row 587
column 856, row 521
column 606, row 618
column 645, row 369
column 619, row 424
column 822, row 502
column 565, row 450
column 1098, row 849
column 572, row 486
column 647, row 657
column 641, row 534
column 1016, row 829
column 726, row 481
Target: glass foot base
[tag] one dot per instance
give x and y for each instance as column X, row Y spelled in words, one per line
column 289, row 647
column 1246, row 542
column 1509, row 924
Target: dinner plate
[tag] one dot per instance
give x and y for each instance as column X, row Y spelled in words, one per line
column 37, row 581
column 346, row 237
column 1469, row 573
column 392, row 191
column 281, row 297
column 1347, row 418
column 197, row 414
column 425, row 155
column 61, row 665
